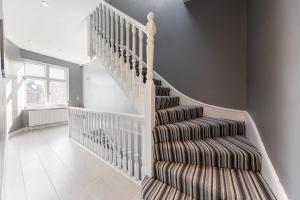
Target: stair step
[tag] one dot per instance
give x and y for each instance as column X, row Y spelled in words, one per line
column 177, row 114
column 200, row 128
column 224, row 152
column 202, row 182
column 157, row 82
column 153, row 189
column 162, row 102
column 162, row 91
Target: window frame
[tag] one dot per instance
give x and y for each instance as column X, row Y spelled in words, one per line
column 47, row 79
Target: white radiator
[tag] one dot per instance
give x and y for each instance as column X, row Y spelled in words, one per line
column 46, row 116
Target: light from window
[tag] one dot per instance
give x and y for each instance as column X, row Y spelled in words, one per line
column 45, row 84
column 57, row 93
column 55, row 73
column 32, row 69
column 35, row 91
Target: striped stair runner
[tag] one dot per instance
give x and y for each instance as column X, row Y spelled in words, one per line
column 199, row 157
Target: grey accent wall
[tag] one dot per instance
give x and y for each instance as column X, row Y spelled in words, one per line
column 75, row 73
column 200, row 47
column 14, row 69
column 101, row 92
column 273, row 92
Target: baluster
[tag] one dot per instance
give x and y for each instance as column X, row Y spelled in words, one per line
column 112, row 41
column 114, row 140
column 103, row 32
column 101, row 136
column 119, row 142
column 85, row 128
column 94, row 132
column 89, row 131
column 132, row 64
column 94, row 34
column 82, row 135
column 126, row 58
column 107, row 37
column 98, row 134
column 136, row 150
column 144, row 150
column 122, row 71
column 98, row 30
column 129, row 150
column 124, row 134
column 117, row 44
column 91, row 36
column 140, row 82
column 106, row 137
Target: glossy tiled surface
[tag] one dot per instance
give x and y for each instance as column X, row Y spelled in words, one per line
column 47, row 165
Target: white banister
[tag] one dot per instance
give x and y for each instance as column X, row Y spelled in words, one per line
column 119, row 42
column 115, row 133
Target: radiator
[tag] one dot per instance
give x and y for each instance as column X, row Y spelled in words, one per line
column 46, row 116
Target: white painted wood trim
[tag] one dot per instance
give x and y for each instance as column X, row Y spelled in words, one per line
column 209, row 110
column 268, row 170
column 17, row 132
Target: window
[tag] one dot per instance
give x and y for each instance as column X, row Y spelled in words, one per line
column 45, row 84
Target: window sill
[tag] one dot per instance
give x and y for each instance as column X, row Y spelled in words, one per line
column 28, row 108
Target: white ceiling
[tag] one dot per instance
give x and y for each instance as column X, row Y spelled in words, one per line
column 58, row 30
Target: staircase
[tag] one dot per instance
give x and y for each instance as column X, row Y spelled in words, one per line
column 197, row 157
column 176, row 148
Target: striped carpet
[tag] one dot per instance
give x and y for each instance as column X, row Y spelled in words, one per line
column 199, row 157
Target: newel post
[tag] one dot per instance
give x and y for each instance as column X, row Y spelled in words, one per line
column 150, row 95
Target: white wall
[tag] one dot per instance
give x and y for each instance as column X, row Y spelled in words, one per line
column 101, row 92
column 14, row 68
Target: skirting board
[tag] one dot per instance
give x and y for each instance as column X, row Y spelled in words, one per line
column 26, row 129
column 268, row 170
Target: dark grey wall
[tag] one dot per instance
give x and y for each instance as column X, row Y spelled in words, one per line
column 75, row 73
column 200, row 46
column 273, row 83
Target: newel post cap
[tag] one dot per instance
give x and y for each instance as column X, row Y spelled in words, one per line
column 151, row 26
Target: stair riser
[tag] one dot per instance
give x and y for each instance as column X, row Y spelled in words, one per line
column 157, row 82
column 174, row 115
column 210, row 183
column 162, row 91
column 166, row 102
column 196, row 129
column 210, row 153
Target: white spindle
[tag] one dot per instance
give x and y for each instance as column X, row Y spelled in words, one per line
column 122, row 71
column 124, row 132
column 133, row 73
column 119, row 142
column 136, row 152
column 140, row 82
column 103, row 33
column 117, row 44
column 129, row 148
column 128, row 77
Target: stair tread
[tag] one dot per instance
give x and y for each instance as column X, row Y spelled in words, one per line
column 225, row 152
column 154, row 189
column 177, row 114
column 163, row 102
column 203, row 182
column 198, row 128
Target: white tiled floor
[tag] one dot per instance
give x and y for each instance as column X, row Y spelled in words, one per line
column 47, row 165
